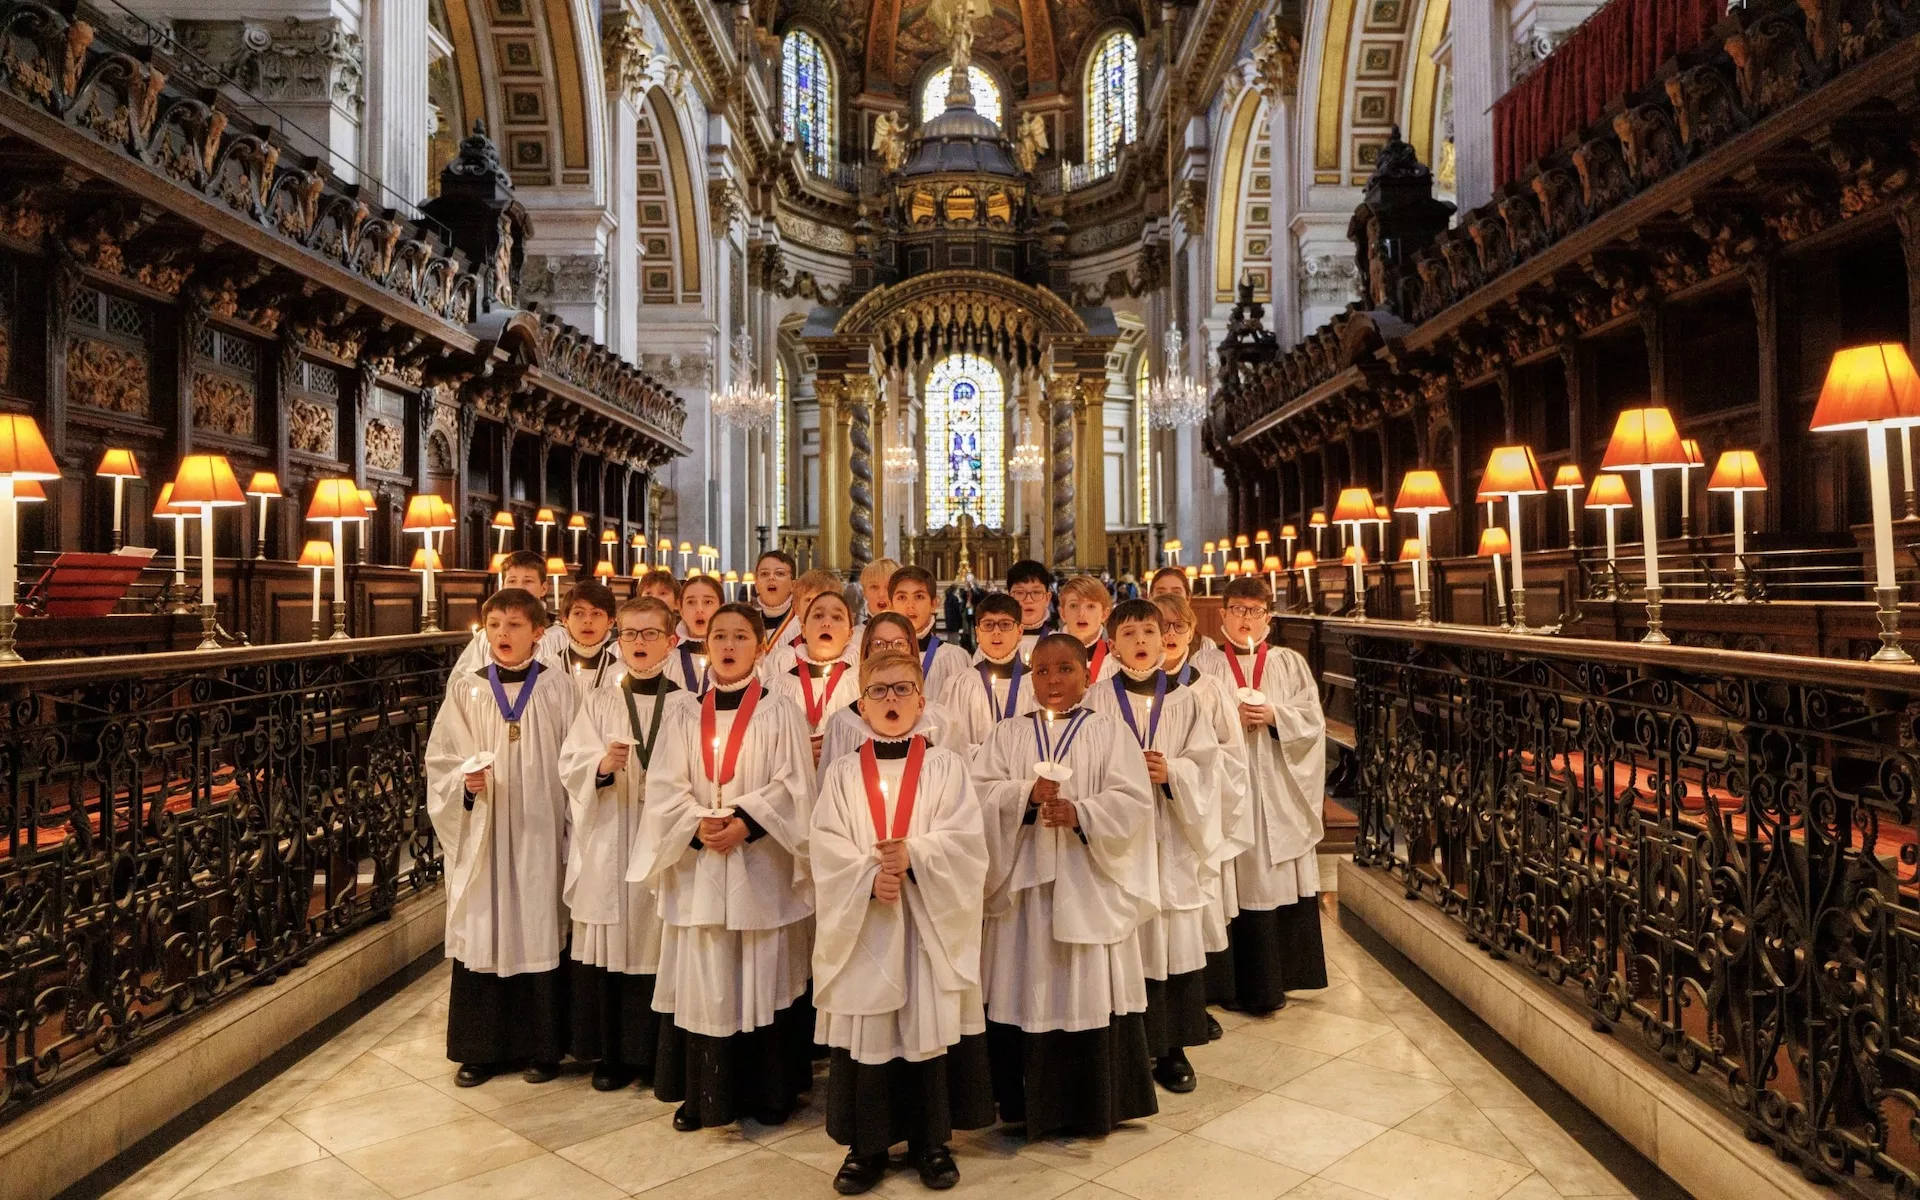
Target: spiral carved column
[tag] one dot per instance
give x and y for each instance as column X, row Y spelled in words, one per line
column 1061, row 395
column 860, row 462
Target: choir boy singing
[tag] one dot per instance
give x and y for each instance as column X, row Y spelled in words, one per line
column 1085, row 605
column 700, row 598
column 723, row 843
column 822, row 677
column 1031, row 584
column 525, row 570
column 662, row 586
column 910, row 593
column 899, row 863
column 780, row 656
column 616, row 925
column 500, row 811
column 590, row 655
column 997, row 687
column 1182, row 754
column 773, row 576
column 1275, row 937
column 1072, row 874
column 1172, row 581
column 887, row 633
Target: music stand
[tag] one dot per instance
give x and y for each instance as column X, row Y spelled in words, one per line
column 87, row 585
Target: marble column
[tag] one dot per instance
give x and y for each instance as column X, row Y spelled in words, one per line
column 1480, row 39
column 395, row 35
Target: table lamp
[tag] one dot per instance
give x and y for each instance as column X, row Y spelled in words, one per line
column 1569, row 480
column 544, row 520
column 119, row 466
column 1645, row 440
column 1738, row 471
column 163, row 509
column 316, row 556
column 1317, row 522
column 1513, row 472
column 1494, row 544
column 576, row 525
column 264, row 485
column 423, row 517
column 1304, row 563
column 337, row 501
column 1354, row 505
column 1288, row 535
column 1422, row 494
column 1609, row 495
column 1355, row 557
column 1694, row 459
column 205, row 482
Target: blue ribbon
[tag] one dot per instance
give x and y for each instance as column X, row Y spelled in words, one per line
column 512, row 712
column 926, row 660
column 697, row 686
column 1013, row 686
column 1043, row 741
column 1159, row 706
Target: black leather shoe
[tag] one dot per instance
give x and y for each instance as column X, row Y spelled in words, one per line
column 859, row 1175
column 472, row 1075
column 772, row 1116
column 1214, row 1032
column 685, row 1119
column 541, row 1072
column 610, row 1077
column 1174, row 1073
column 937, row 1169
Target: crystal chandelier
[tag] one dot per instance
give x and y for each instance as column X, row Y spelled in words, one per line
column 746, row 403
column 898, row 462
column 1028, row 461
column 1174, row 400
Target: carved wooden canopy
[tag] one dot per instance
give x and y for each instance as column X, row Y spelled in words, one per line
column 960, row 310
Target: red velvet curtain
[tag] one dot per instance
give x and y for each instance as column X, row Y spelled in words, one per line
column 1617, row 51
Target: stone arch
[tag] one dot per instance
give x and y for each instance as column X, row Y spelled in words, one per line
column 1243, row 187
column 1367, row 67
column 531, row 70
column 667, row 204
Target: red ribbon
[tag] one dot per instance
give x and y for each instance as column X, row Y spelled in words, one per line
column 909, row 786
column 1099, row 657
column 736, row 736
column 815, row 711
column 1259, row 665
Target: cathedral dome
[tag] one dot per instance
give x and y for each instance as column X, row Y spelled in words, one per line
column 960, row 140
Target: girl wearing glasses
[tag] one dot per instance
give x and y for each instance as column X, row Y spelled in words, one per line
column 886, row 633
column 823, row 675
column 723, row 843
column 616, row 923
column 900, row 865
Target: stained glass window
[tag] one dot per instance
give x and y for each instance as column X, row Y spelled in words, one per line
column 1143, row 431
column 986, row 94
column 806, row 97
column 780, row 443
column 966, row 436
column 1113, row 98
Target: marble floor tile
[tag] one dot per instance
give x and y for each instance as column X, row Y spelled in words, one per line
column 1301, row 1136
column 1533, row 1187
column 361, row 1077
column 1090, row 1158
column 1191, row 1166
column 1323, row 1032
column 322, row 1179
column 1253, row 1062
column 1400, row 1166
column 547, row 1177
column 1345, row 999
column 419, row 1162
column 1396, row 1052
column 349, row 1124
column 1358, row 1090
column 555, row 1118
column 423, row 1058
column 273, row 1149
column 508, row 1087
column 1094, row 1191
column 1561, row 1161
column 1209, row 1099
column 654, row 1152
column 755, row 1175
column 1457, row 1121
column 1326, row 1189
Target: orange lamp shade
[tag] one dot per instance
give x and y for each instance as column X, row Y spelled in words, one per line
column 543, row 517
column 1206, row 547
column 1288, row 531
column 637, row 542
column 603, row 570
column 118, row 464
column 1318, row 520
column 316, row 554
column 423, row 514
column 1355, row 555
column 1242, row 542
column 426, row 559
column 1494, row 540
column 576, row 521
column 1193, row 573
column 163, row 503
column 1411, row 550
column 29, row 491
column 23, row 452
column 1273, row 562
column 1645, row 437
column 1737, row 471
column 335, row 500
column 1422, row 491
column 366, row 502
column 1304, row 559
column 665, row 546
column 206, row 479
column 1262, row 536
column 1868, row 383
column 1232, row 568
column 1380, row 514
column 686, row 547
column 1609, row 491
column 495, row 563
column 1355, row 504
column 639, row 570
column 264, row 483
column 1694, row 457
column 1511, row 471
column 556, row 566
column 503, row 520
column 1569, row 479
column 1207, row 570
column 609, row 537
column 445, row 511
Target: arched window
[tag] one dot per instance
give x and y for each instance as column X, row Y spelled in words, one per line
column 966, row 433
column 986, row 94
column 806, row 96
column 1113, row 98
column 1143, row 437
column 780, row 442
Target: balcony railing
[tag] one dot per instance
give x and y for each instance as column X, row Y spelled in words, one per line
column 1710, row 853
column 180, row 825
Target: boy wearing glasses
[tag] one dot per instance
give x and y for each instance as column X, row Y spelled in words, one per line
column 1031, row 584
column 997, row 687
column 1072, row 874
column 1275, row 943
column 616, row 924
column 847, row 730
column 1172, row 581
column 899, row 863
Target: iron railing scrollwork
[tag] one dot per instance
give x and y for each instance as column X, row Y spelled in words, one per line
column 178, row 825
column 1711, row 853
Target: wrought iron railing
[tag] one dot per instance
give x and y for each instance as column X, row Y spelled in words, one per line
column 178, row 825
column 1711, row 853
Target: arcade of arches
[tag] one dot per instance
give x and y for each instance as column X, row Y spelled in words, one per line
column 1545, row 361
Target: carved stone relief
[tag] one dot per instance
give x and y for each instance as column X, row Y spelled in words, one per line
column 294, row 60
column 565, row 278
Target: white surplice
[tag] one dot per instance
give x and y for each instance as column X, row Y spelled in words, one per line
column 786, row 682
column 898, row 980
column 1186, row 819
column 550, row 647
column 949, row 659
column 1234, row 812
column 616, row 921
column 689, row 670
column 1286, row 780
column 1061, row 948
column 974, row 706
column 846, row 730
column 506, row 851
column 734, row 944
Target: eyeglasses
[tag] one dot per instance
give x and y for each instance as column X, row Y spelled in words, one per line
column 1029, row 592
column 891, row 691
column 1248, row 612
column 1177, row 629
column 641, row 635
column 882, row 645
column 998, row 626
